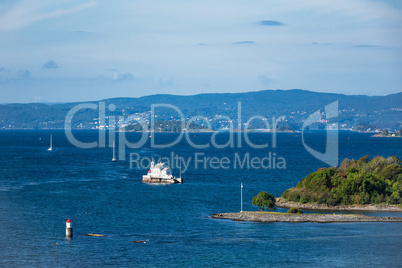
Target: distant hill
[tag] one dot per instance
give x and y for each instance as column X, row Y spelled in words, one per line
column 296, row 105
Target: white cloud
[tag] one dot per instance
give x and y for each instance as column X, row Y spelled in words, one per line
column 116, row 75
column 358, row 9
column 37, row 99
column 264, row 80
column 165, row 82
column 27, row 12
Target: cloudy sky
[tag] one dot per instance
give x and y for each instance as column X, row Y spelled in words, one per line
column 62, row 51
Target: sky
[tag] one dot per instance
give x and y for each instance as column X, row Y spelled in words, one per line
column 70, row 50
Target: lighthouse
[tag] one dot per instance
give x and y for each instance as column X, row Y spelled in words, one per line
column 69, row 229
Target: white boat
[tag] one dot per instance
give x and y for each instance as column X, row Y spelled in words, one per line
column 114, row 157
column 51, row 145
column 160, row 173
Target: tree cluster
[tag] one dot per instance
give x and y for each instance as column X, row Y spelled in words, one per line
column 353, row 182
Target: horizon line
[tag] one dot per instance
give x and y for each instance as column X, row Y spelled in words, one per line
column 191, row 95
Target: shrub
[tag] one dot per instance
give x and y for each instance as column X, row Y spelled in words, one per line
column 332, row 202
column 295, row 210
column 304, row 199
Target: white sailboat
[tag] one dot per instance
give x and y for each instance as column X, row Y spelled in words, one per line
column 51, row 145
column 114, row 157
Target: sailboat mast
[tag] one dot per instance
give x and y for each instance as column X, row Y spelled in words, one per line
column 50, row 148
column 114, row 154
column 114, row 150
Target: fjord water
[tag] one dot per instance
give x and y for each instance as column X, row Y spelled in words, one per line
column 40, row 190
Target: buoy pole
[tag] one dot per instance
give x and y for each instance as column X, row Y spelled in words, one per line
column 69, row 229
column 241, row 198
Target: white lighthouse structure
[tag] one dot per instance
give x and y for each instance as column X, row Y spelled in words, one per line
column 69, row 229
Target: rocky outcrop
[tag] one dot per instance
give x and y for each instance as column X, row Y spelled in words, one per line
column 288, row 204
column 289, row 217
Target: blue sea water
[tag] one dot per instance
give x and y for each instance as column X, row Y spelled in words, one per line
column 40, row 190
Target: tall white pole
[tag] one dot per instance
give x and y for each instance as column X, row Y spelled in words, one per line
column 241, row 194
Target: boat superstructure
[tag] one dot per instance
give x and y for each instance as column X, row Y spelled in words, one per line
column 160, row 173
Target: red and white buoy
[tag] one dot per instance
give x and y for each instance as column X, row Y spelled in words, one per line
column 69, row 229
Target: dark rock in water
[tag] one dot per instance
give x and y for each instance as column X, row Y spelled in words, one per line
column 98, row 235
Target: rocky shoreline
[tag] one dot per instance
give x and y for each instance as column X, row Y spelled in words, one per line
column 289, row 217
column 382, row 136
column 287, row 204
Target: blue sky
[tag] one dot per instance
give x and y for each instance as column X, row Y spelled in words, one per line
column 63, row 51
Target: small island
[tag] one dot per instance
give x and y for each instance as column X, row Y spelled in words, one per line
column 374, row 185
column 354, row 185
column 164, row 126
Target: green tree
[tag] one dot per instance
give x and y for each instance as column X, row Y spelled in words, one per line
column 384, row 132
column 364, row 159
column 264, row 200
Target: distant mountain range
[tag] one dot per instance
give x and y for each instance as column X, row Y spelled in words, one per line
column 221, row 110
